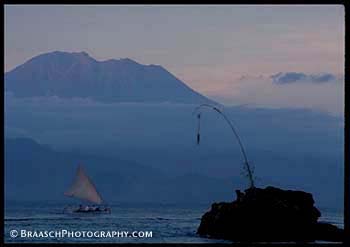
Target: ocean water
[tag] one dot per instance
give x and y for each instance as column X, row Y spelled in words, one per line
column 165, row 223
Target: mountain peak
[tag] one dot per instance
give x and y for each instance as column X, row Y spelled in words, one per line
column 125, row 61
column 59, row 57
column 77, row 74
column 65, row 53
column 83, row 55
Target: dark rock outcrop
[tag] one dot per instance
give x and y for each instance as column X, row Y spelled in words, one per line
column 271, row 215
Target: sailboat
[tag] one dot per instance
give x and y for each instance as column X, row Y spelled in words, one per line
column 83, row 189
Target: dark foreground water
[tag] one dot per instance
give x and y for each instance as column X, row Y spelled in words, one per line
column 148, row 223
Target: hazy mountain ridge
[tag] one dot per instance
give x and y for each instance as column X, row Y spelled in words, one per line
column 45, row 174
column 76, row 74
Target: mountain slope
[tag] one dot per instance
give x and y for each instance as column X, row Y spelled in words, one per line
column 41, row 173
column 76, row 74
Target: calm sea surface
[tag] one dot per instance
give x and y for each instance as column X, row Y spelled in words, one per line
column 167, row 223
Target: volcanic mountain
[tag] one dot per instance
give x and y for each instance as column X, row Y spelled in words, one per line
column 76, row 74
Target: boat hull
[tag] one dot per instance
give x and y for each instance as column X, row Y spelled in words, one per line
column 76, row 210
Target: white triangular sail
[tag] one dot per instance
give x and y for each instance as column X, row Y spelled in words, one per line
column 83, row 188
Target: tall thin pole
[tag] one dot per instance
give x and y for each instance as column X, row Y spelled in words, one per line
column 247, row 166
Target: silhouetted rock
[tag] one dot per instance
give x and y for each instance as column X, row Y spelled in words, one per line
column 269, row 214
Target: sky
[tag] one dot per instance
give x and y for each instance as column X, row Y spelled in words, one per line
column 210, row 48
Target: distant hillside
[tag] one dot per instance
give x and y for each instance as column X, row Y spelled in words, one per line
column 36, row 172
column 76, row 74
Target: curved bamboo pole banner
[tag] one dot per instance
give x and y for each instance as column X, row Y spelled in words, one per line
column 246, row 164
